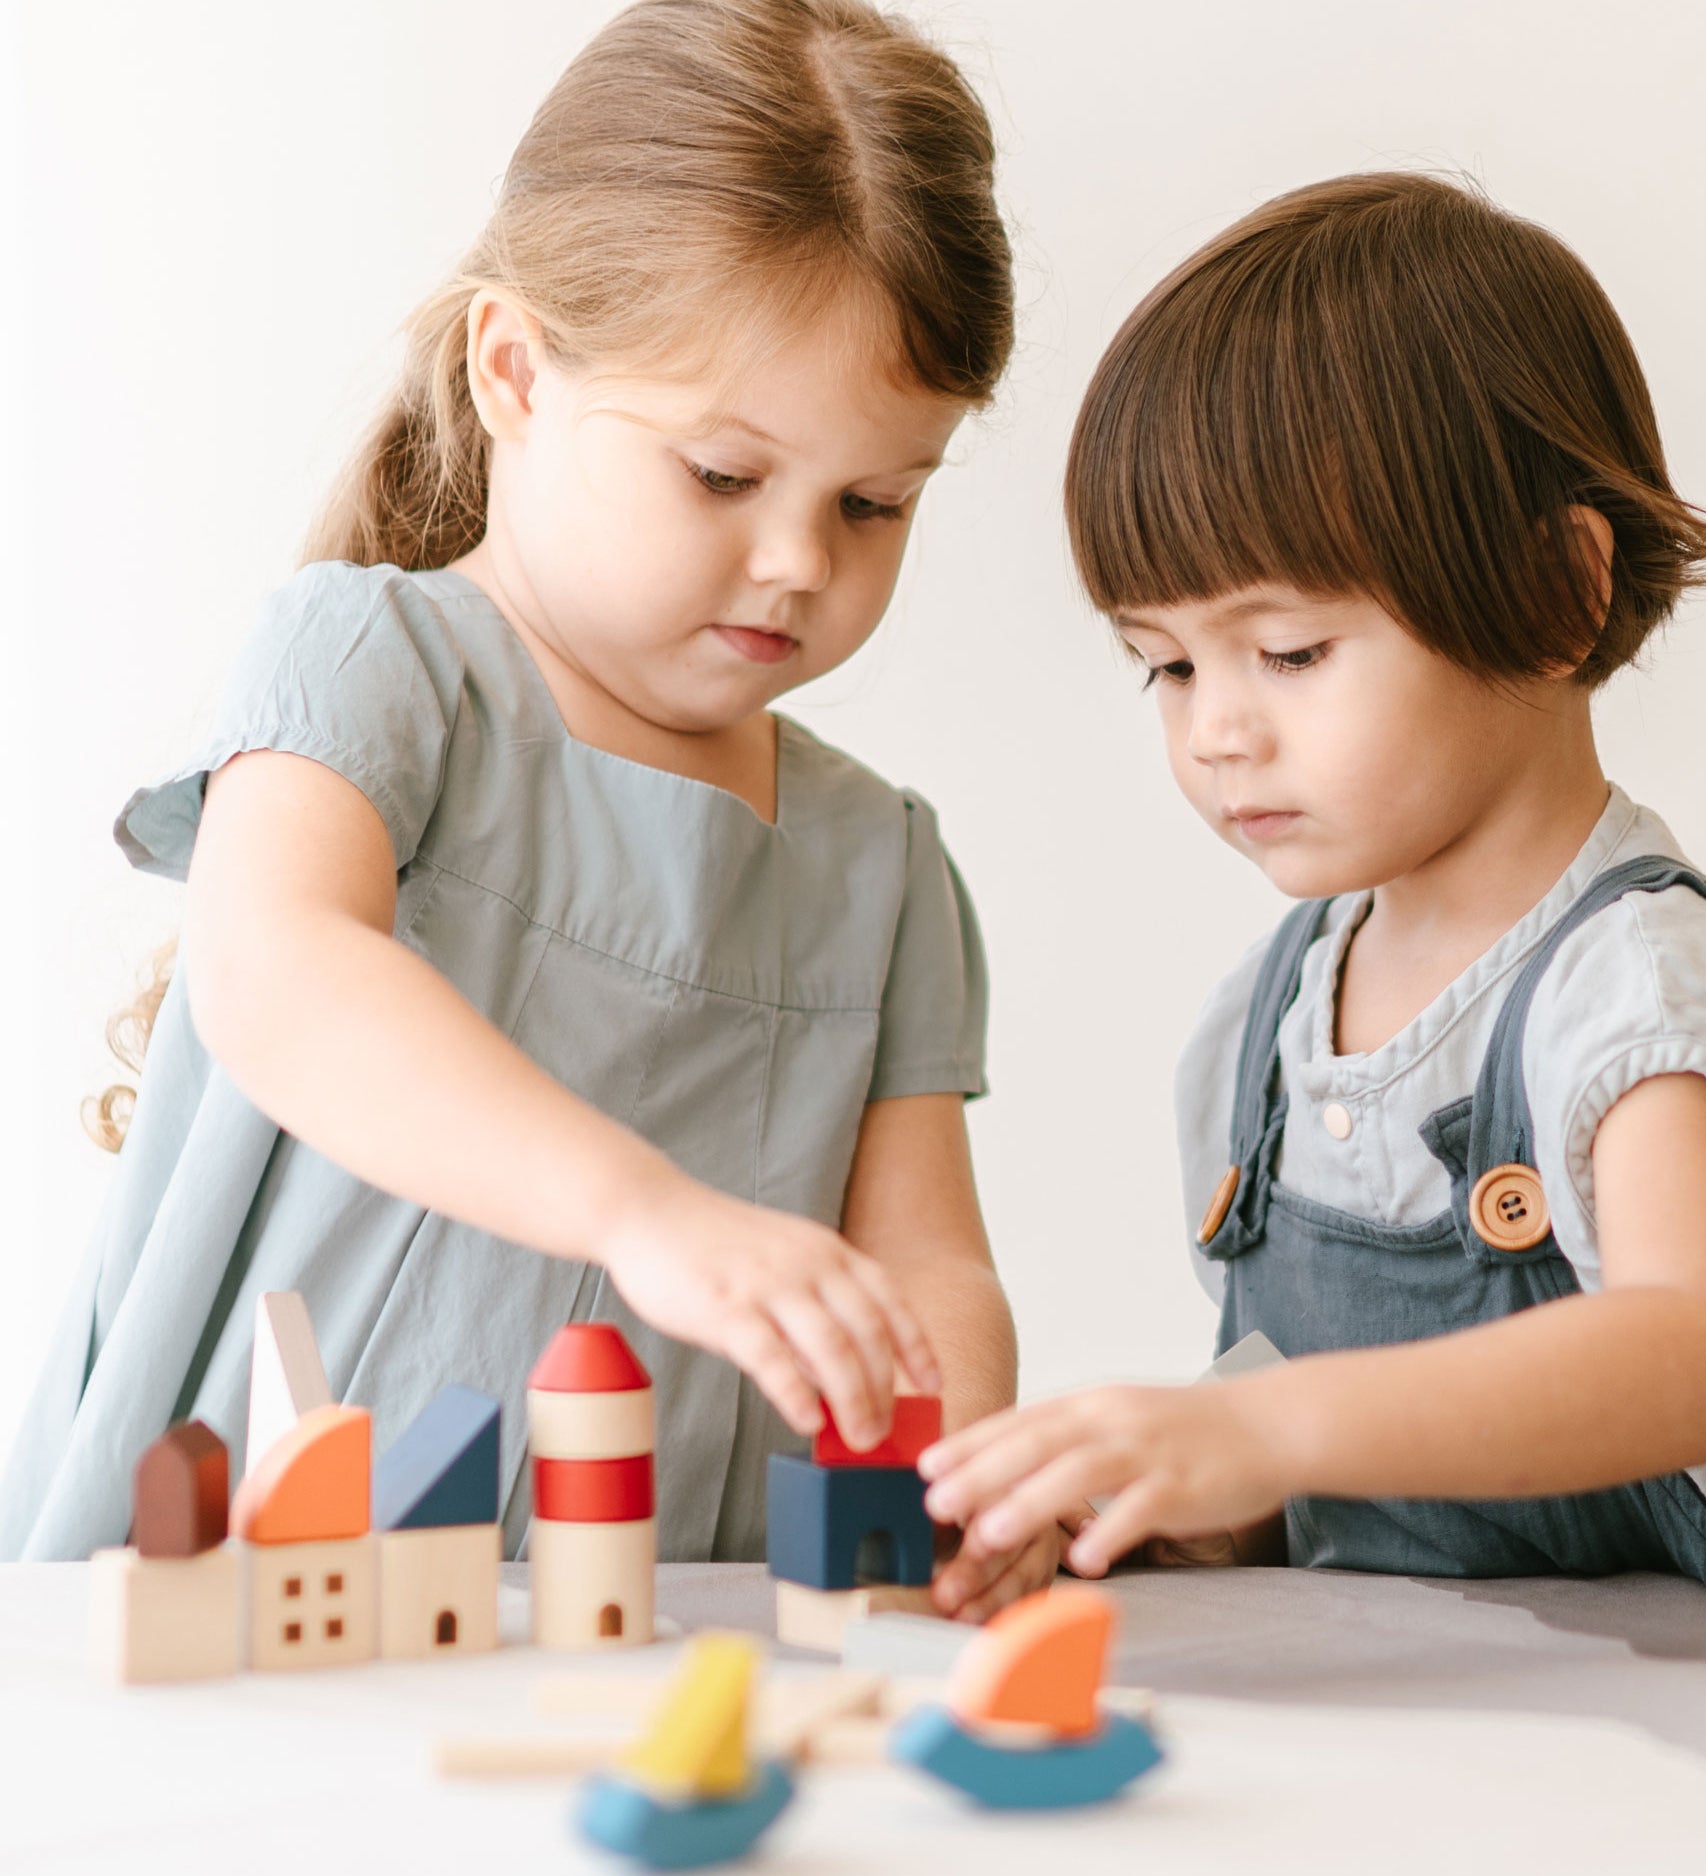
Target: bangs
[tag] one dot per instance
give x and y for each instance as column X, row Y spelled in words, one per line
column 1214, row 453
column 1384, row 385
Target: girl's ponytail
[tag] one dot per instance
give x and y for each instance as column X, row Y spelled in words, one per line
column 414, row 492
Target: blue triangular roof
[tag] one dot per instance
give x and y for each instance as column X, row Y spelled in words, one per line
column 444, row 1469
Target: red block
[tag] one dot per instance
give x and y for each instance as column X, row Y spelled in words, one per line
column 917, row 1424
column 594, row 1491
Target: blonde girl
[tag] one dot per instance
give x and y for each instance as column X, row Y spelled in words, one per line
column 532, row 968
column 1372, row 488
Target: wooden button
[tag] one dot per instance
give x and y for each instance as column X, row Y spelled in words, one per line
column 1336, row 1118
column 1219, row 1205
column 1509, row 1209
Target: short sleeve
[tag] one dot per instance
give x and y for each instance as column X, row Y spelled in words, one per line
column 935, row 1011
column 1623, row 1000
column 354, row 667
column 1204, row 1089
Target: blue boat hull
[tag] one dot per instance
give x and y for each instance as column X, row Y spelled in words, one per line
column 626, row 1818
column 1026, row 1778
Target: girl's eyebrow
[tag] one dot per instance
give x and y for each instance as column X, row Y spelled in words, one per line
column 727, row 420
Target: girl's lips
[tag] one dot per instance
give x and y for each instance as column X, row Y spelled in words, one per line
column 759, row 646
column 1269, row 824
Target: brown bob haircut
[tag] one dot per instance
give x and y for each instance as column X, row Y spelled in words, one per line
column 1385, row 384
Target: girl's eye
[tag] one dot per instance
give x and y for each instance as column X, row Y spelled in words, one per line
column 1180, row 671
column 862, row 508
column 719, row 482
column 1302, row 660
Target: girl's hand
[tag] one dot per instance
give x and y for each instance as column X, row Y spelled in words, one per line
column 1185, row 1462
column 789, row 1301
column 974, row 1585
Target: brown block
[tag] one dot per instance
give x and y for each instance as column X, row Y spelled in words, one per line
column 180, row 1500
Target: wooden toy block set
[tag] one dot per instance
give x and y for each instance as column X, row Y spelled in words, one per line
column 324, row 1558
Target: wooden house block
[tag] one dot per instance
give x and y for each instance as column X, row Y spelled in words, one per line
column 438, row 1590
column 310, row 1485
column 592, row 1584
column 917, row 1423
column 818, row 1619
column 830, row 1526
column 311, row 1605
column 444, row 1468
column 165, row 1618
column 181, row 1496
column 286, row 1379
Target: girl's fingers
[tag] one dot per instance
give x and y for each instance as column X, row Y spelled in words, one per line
column 1029, row 1441
column 859, row 1315
column 830, row 1354
column 1035, row 1502
column 1007, row 1585
column 905, row 1333
column 948, row 1454
column 1122, row 1526
column 756, row 1346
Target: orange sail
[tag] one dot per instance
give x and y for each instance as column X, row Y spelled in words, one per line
column 1040, row 1663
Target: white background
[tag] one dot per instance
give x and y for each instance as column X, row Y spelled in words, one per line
column 217, row 218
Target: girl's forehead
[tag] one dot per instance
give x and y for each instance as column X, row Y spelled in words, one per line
column 1242, row 606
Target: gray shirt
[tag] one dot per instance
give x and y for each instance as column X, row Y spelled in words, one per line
column 735, row 991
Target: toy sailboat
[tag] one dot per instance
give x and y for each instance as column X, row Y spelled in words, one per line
column 1021, row 1728
column 688, row 1794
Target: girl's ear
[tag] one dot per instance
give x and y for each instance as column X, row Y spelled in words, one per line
column 1591, row 547
column 504, row 346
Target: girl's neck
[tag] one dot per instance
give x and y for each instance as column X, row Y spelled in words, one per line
column 1426, row 928
column 740, row 759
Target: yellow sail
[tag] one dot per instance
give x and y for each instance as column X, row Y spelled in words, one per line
column 695, row 1747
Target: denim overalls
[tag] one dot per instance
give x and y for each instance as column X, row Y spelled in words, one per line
column 1311, row 1277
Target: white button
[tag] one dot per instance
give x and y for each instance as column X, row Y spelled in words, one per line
column 1336, row 1118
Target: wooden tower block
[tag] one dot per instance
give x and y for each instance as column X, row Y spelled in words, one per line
column 592, row 1584
column 181, row 1496
column 590, row 1426
column 438, row 1590
column 165, row 1618
column 286, row 1379
column 311, row 1605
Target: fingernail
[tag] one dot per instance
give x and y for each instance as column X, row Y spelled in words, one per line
column 939, row 1502
column 930, row 1462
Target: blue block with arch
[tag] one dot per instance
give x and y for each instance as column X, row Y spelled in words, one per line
column 835, row 1527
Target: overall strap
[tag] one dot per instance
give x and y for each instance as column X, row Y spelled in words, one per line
column 1501, row 1128
column 1237, row 1217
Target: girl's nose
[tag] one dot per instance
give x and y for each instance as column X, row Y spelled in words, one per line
column 792, row 554
column 1222, row 728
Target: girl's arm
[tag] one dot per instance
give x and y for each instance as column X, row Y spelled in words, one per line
column 912, row 1205
column 357, row 1046
column 1570, row 1396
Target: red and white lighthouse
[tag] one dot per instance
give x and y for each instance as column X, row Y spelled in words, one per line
column 592, row 1552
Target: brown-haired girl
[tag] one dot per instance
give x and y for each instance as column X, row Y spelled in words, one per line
column 517, row 923
column 1372, row 488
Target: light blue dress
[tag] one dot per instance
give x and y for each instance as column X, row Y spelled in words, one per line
column 735, row 991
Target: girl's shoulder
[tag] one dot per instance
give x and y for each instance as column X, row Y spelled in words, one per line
column 1622, row 1000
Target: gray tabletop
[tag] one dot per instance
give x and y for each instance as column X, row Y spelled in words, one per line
column 1627, row 1647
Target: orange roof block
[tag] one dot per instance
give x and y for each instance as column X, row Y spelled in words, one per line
column 588, row 1358
column 1041, row 1661
column 312, row 1484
